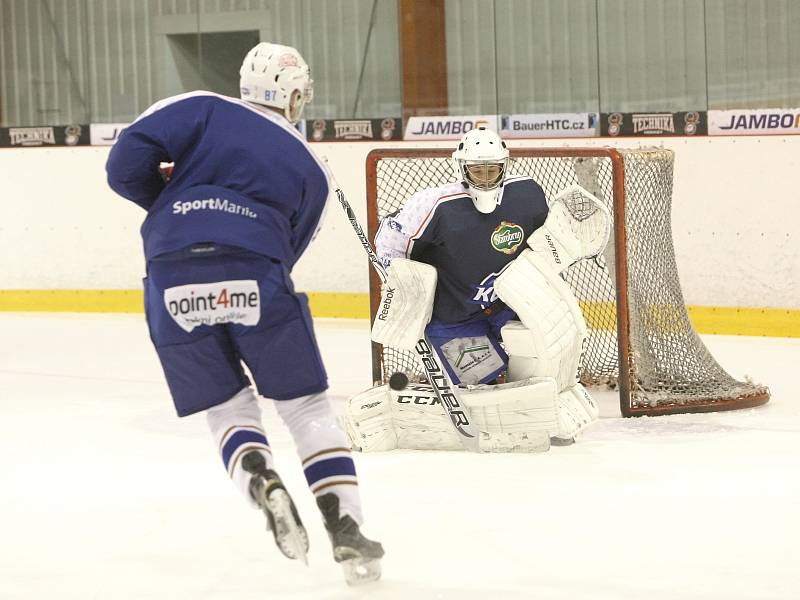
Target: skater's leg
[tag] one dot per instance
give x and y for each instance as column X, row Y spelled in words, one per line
column 331, row 476
column 237, row 430
column 324, row 450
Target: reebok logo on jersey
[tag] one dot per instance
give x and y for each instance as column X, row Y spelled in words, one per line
column 184, row 207
column 193, row 305
column 507, row 237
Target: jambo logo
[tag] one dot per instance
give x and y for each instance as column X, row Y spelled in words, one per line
column 507, row 237
column 763, row 121
column 446, row 128
column 778, row 121
column 214, row 303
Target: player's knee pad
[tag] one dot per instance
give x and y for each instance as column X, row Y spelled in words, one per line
column 242, row 408
column 312, row 422
column 552, row 320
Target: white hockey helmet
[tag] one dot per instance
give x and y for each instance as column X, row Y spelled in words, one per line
column 481, row 162
column 276, row 76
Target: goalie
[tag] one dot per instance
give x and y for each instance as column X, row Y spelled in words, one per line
column 476, row 265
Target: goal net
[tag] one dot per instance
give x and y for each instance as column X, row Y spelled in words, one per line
column 640, row 337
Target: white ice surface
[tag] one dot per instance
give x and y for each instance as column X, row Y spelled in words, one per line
column 106, row 494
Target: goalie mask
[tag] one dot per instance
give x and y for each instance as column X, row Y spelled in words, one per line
column 278, row 77
column 481, row 162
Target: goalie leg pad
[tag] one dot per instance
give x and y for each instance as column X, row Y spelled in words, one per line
column 512, row 417
column 576, row 411
column 550, row 313
column 368, row 420
column 521, row 348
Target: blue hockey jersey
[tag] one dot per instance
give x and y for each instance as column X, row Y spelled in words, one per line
column 242, row 177
column 441, row 227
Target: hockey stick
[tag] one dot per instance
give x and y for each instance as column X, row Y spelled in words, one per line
column 440, row 381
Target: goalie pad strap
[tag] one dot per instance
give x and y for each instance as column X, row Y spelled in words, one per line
column 406, row 304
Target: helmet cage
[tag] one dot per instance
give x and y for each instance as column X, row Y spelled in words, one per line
column 483, row 175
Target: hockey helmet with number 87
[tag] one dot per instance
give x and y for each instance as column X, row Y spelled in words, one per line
column 481, row 162
column 278, row 77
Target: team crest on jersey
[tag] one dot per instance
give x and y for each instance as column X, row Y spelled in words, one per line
column 507, row 237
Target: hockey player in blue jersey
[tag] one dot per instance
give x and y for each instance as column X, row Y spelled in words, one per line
column 476, row 265
column 242, row 203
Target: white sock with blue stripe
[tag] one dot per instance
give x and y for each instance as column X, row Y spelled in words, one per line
column 237, row 429
column 324, row 449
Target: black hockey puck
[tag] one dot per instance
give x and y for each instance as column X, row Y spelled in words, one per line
column 398, row 381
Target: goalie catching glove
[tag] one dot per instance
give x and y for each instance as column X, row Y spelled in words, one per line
column 406, row 304
column 577, row 226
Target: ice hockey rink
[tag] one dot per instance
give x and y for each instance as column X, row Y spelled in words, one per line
column 106, row 494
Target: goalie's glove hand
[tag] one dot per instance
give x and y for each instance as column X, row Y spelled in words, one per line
column 406, row 304
column 578, row 226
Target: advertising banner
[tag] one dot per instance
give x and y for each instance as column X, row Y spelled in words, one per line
column 768, row 121
column 653, row 123
column 44, row 135
column 348, row 130
column 105, row 134
column 446, row 128
column 555, row 125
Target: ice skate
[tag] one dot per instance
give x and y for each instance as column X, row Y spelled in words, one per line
column 359, row 557
column 268, row 491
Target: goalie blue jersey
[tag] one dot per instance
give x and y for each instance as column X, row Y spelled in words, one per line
column 441, row 227
column 242, row 177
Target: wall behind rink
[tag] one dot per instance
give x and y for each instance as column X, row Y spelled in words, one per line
column 735, row 214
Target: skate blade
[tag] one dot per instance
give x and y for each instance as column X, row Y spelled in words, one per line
column 359, row 570
column 290, row 536
column 523, row 441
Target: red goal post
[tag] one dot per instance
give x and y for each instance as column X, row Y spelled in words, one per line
column 630, row 295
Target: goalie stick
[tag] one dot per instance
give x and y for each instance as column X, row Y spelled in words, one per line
column 439, row 380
